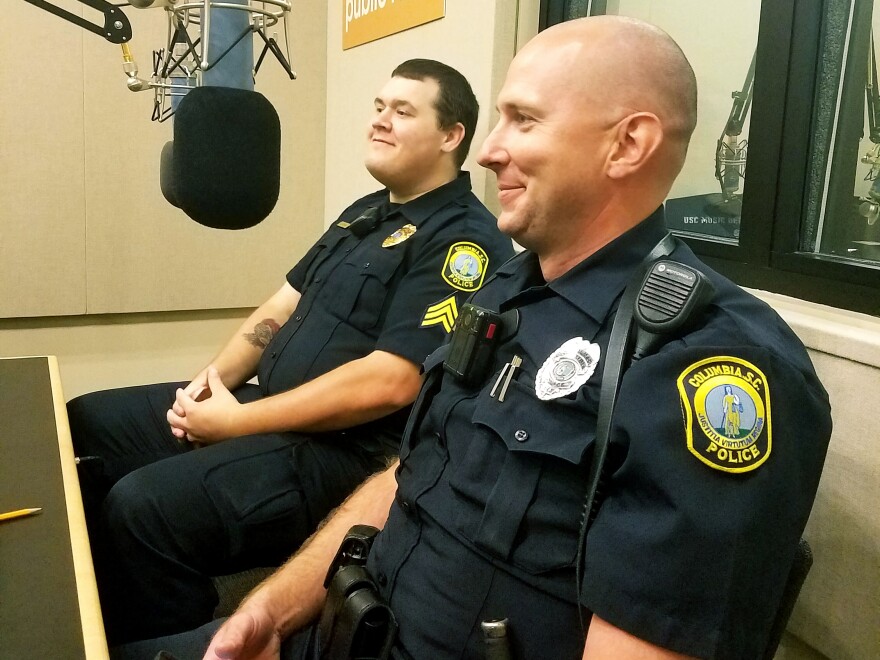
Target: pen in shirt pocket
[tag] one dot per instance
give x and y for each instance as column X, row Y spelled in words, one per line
column 505, row 377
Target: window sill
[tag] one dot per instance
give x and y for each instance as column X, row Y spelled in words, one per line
column 838, row 332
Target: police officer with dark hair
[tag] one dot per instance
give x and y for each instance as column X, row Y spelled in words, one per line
column 337, row 351
column 699, row 519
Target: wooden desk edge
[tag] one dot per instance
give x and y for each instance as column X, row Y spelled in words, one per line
column 94, row 638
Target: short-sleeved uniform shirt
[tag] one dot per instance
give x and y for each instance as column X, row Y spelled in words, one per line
column 397, row 288
column 706, row 496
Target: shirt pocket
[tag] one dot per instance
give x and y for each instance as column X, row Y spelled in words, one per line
column 365, row 285
column 521, row 484
column 317, row 255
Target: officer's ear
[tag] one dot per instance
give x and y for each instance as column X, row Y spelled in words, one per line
column 452, row 137
column 637, row 138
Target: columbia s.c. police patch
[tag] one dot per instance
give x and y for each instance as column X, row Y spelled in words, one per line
column 465, row 266
column 726, row 404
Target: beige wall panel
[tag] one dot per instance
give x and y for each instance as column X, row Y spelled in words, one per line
column 42, row 238
column 142, row 253
column 466, row 38
column 839, row 608
column 96, row 353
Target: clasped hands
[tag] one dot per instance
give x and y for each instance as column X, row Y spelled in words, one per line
column 204, row 411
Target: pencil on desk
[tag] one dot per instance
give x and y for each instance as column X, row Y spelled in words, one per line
column 19, row 514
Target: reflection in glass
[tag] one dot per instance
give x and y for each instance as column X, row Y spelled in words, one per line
column 706, row 200
column 843, row 199
column 718, row 214
column 870, row 206
column 730, row 157
column 869, row 209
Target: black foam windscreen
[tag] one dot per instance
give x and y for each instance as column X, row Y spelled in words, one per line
column 226, row 158
column 166, row 173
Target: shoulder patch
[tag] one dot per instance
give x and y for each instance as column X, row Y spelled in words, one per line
column 465, row 266
column 442, row 313
column 726, row 406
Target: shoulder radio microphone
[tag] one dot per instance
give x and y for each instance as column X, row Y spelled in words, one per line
column 670, row 298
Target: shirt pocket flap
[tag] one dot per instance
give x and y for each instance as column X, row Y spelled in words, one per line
column 559, row 427
column 317, row 254
column 361, row 291
column 381, row 265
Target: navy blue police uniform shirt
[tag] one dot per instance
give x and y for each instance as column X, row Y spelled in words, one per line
column 396, row 289
column 707, row 495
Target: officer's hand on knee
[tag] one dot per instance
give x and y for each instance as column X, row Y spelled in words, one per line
column 246, row 635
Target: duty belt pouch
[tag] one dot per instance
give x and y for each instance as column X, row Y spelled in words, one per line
column 355, row 623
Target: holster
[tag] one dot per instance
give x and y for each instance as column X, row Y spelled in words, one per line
column 355, row 624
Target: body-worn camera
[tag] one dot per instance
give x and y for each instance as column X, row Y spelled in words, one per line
column 477, row 331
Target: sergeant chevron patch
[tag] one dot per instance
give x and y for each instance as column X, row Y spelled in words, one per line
column 726, row 405
column 442, row 313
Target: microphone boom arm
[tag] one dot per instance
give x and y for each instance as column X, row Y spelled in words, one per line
column 730, row 152
column 872, row 98
column 116, row 28
column 178, row 68
column 742, row 101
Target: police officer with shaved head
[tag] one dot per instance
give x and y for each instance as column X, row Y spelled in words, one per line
column 714, row 450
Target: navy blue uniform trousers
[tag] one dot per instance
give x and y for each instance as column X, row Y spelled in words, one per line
column 164, row 517
column 193, row 644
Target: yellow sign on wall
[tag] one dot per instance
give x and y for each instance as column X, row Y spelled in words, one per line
column 368, row 20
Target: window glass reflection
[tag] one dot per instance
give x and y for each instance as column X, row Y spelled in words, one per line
column 719, row 39
column 842, row 211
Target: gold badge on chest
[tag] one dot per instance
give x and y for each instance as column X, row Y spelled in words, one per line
column 399, row 236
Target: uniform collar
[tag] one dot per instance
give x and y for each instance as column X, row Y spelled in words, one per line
column 424, row 206
column 597, row 282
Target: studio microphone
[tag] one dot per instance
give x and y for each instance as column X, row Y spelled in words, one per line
column 870, row 206
column 730, row 163
column 146, row 4
column 222, row 167
column 731, row 149
column 225, row 157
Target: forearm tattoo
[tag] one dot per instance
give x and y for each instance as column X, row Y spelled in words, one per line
column 263, row 333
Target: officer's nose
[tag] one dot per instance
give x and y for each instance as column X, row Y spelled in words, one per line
column 380, row 120
column 492, row 154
